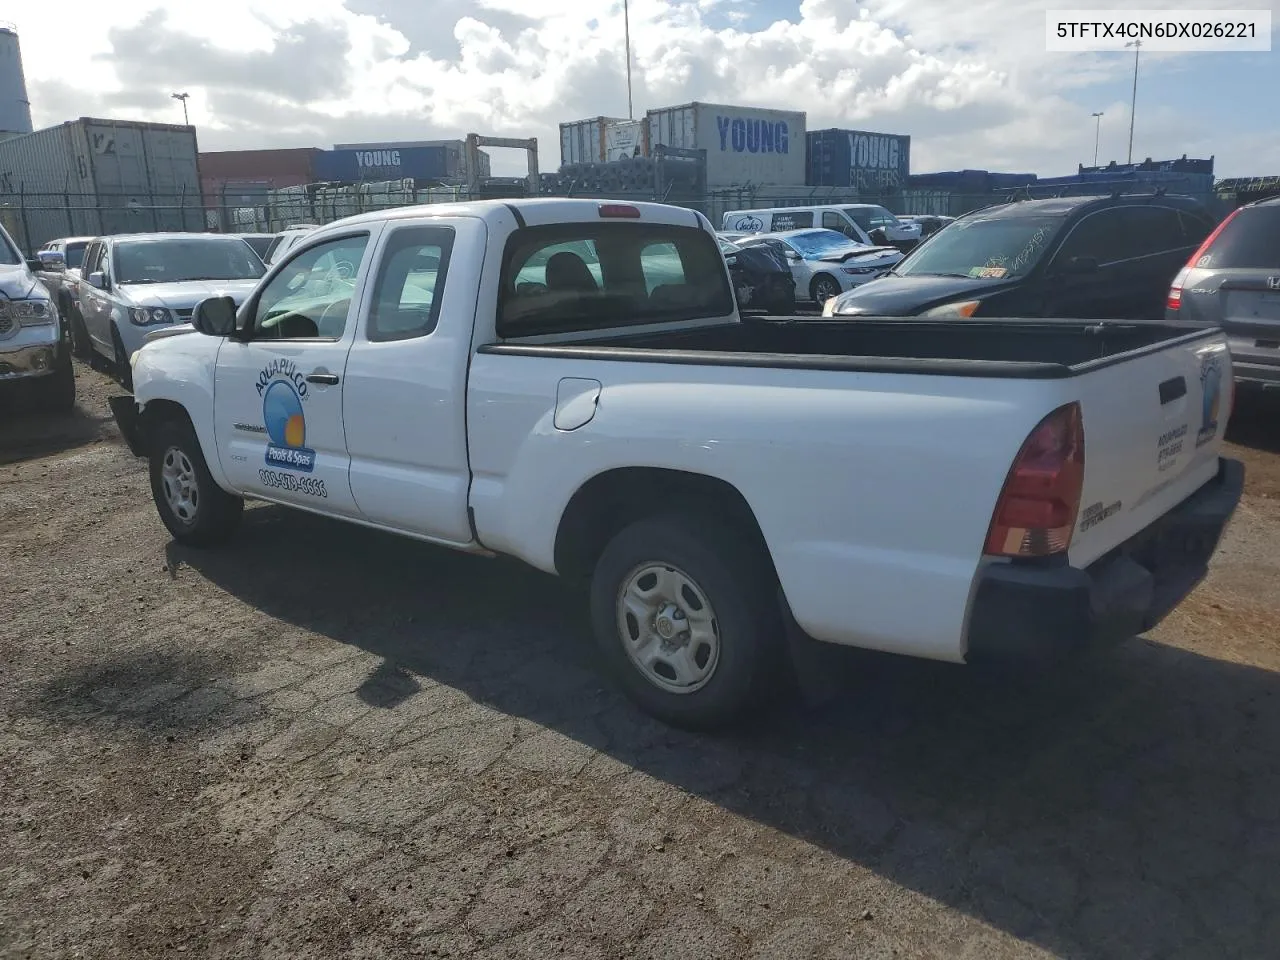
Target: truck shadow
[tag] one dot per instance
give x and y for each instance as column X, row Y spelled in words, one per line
column 1123, row 807
column 1255, row 421
column 26, row 433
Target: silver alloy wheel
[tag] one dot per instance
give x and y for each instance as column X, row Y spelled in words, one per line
column 668, row 628
column 824, row 289
column 181, row 489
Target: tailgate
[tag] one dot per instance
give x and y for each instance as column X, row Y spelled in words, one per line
column 1153, row 432
column 1251, row 317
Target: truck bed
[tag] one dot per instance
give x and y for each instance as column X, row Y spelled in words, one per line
column 1010, row 348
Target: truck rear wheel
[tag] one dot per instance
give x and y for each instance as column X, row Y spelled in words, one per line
column 192, row 506
column 684, row 612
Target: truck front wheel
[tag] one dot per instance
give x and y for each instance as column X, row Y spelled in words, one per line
column 192, row 506
column 684, row 612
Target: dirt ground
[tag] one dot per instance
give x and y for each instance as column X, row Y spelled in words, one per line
column 324, row 742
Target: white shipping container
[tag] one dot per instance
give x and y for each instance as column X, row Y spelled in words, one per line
column 88, row 177
column 624, row 139
column 744, row 144
column 583, row 141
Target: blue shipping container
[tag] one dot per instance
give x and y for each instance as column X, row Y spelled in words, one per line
column 874, row 163
column 417, row 163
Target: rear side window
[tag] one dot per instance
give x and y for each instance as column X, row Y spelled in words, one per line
column 410, row 284
column 74, row 255
column 591, row 276
column 1251, row 241
column 791, row 221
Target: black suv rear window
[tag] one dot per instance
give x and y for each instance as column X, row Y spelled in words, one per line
column 590, row 276
column 1251, row 241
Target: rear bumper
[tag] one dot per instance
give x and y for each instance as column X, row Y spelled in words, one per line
column 1043, row 612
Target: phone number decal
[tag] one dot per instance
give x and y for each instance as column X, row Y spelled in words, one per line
column 293, row 484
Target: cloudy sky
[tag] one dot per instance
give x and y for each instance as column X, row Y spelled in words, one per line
column 969, row 80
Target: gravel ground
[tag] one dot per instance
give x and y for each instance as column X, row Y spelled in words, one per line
column 324, row 742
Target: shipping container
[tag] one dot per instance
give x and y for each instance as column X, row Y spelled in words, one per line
column 92, row 177
column 602, row 140
column 868, row 163
column 416, row 160
column 745, row 145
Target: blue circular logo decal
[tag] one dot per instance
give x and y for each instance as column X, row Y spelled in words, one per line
column 282, row 415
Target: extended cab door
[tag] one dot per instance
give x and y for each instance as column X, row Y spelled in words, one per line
column 404, row 404
column 278, row 394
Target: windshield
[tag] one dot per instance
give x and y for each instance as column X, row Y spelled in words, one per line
column 175, row 260
column 817, row 243
column 1006, row 247
column 8, row 252
column 74, row 254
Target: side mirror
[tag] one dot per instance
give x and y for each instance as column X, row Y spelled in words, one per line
column 51, row 261
column 792, row 255
column 215, row 317
column 879, row 237
column 98, row 279
column 1079, row 266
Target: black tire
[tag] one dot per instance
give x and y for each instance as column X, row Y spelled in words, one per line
column 81, row 347
column 735, row 584
column 213, row 513
column 56, row 393
column 823, row 287
column 123, row 370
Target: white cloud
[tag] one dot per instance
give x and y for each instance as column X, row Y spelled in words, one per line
column 970, row 81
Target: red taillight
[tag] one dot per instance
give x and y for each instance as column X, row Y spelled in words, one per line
column 1175, row 291
column 620, row 210
column 1037, row 509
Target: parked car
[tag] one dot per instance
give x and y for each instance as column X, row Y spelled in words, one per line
column 761, row 277
column 35, row 348
column 1082, row 257
column 861, row 222
column 824, row 263
column 1233, row 281
column 261, row 242
column 929, row 223
column 60, row 275
column 286, row 240
column 133, row 284
column 883, row 484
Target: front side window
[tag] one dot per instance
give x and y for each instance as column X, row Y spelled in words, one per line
column 183, row 259
column 861, row 216
column 587, row 276
column 1100, row 236
column 410, row 284
column 311, row 295
column 991, row 249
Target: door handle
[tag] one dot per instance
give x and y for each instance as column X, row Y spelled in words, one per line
column 329, row 378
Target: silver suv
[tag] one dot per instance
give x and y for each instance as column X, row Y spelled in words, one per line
column 35, row 354
column 1233, row 281
column 135, row 284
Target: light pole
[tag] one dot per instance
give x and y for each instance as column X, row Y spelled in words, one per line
column 1097, row 135
column 183, row 98
column 1133, row 108
column 626, row 27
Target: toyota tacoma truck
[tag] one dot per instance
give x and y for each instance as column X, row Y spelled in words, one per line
column 569, row 382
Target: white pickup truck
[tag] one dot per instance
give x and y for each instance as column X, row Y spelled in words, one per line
column 568, row 382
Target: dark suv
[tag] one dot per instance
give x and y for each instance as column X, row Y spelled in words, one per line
column 1092, row 258
column 1233, row 281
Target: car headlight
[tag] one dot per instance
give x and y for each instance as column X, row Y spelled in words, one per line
column 961, row 308
column 146, row 316
column 859, row 270
column 29, row 313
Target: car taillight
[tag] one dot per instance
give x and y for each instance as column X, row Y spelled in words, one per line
column 624, row 211
column 1174, row 300
column 1037, row 509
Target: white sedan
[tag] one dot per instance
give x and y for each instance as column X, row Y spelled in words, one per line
column 825, row 263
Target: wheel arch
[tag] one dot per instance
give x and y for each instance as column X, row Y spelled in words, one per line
column 610, row 501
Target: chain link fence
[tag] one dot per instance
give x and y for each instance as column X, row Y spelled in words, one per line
column 33, row 219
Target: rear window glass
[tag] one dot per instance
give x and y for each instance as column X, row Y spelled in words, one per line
column 1251, row 241
column 589, row 276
